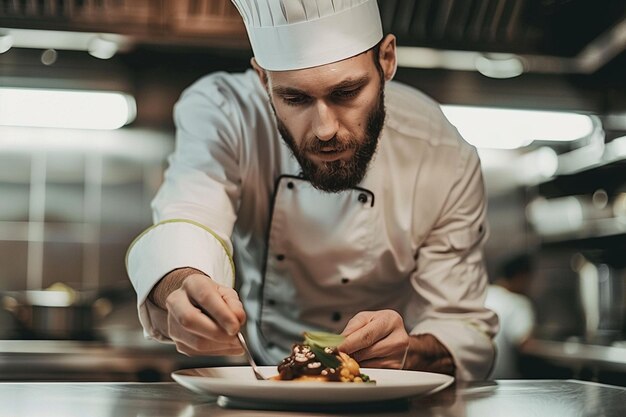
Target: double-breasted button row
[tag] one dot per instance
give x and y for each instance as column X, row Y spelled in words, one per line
column 362, row 197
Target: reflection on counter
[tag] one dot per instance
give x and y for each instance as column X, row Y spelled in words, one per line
column 575, row 359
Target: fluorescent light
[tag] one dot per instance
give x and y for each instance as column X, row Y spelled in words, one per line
column 71, row 109
column 494, row 128
column 418, row 57
column 100, row 45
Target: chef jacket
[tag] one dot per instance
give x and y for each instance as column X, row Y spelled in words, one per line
column 409, row 237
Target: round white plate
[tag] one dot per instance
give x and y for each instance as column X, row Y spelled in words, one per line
column 239, row 382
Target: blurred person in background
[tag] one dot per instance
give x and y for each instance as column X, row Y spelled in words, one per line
column 508, row 298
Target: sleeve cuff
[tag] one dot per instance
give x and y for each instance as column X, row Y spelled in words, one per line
column 171, row 245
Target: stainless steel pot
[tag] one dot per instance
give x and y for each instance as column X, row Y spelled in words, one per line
column 56, row 314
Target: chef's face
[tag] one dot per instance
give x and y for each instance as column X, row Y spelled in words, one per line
column 331, row 116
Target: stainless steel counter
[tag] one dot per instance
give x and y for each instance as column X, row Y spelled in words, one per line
column 576, row 354
column 55, row 360
column 537, row 398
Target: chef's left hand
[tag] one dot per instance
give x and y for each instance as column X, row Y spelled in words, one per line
column 376, row 339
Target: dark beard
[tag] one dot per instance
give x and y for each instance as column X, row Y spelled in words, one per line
column 335, row 176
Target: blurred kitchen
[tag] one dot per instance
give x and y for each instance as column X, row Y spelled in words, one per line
column 86, row 95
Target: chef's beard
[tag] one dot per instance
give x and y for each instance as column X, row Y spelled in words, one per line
column 339, row 175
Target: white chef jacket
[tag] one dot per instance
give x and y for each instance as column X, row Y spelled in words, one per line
column 235, row 206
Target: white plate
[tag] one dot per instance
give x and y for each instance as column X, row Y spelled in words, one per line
column 238, row 382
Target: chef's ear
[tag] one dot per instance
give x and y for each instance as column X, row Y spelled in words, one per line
column 262, row 73
column 387, row 56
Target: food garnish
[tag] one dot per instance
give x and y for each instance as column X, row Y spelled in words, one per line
column 318, row 359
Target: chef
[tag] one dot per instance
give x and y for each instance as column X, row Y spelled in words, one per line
column 313, row 193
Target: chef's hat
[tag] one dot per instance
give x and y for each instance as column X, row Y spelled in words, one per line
column 297, row 34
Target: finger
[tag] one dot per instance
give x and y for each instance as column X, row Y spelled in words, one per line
column 366, row 336
column 231, row 298
column 185, row 318
column 209, row 299
column 359, row 320
column 350, row 343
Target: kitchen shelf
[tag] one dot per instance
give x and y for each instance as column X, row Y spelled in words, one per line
column 609, row 177
column 592, row 230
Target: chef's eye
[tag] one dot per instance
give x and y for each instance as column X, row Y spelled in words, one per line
column 297, row 100
column 346, row 94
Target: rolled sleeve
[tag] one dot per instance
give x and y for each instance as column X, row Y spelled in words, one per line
column 451, row 278
column 171, row 245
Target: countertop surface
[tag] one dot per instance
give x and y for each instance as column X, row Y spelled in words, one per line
column 65, row 360
column 611, row 357
column 509, row 398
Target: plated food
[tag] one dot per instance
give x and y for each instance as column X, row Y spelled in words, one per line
column 318, row 359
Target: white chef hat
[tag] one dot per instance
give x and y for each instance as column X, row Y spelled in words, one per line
column 297, row 34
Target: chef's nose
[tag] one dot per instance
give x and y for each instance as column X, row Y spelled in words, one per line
column 325, row 124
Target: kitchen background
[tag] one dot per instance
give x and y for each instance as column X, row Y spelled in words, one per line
column 72, row 199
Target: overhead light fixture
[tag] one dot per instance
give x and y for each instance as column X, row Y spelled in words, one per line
column 417, row 57
column 499, row 65
column 6, row 41
column 590, row 59
column 486, row 127
column 99, row 45
column 71, row 109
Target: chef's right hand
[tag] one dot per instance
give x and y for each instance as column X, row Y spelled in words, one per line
column 203, row 317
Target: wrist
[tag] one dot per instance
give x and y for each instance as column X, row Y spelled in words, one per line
column 426, row 353
column 168, row 284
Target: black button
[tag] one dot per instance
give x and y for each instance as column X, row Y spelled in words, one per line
column 290, row 185
column 336, row 316
column 344, row 280
column 280, row 257
column 363, row 198
column 480, row 229
column 271, row 302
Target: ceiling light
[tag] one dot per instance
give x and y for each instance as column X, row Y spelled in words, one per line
column 417, row 57
column 49, row 57
column 102, row 48
column 499, row 65
column 6, row 42
column 486, row 127
column 100, row 45
column 65, row 108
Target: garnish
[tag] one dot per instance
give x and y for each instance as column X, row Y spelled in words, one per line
column 319, row 341
column 323, row 339
column 327, row 359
